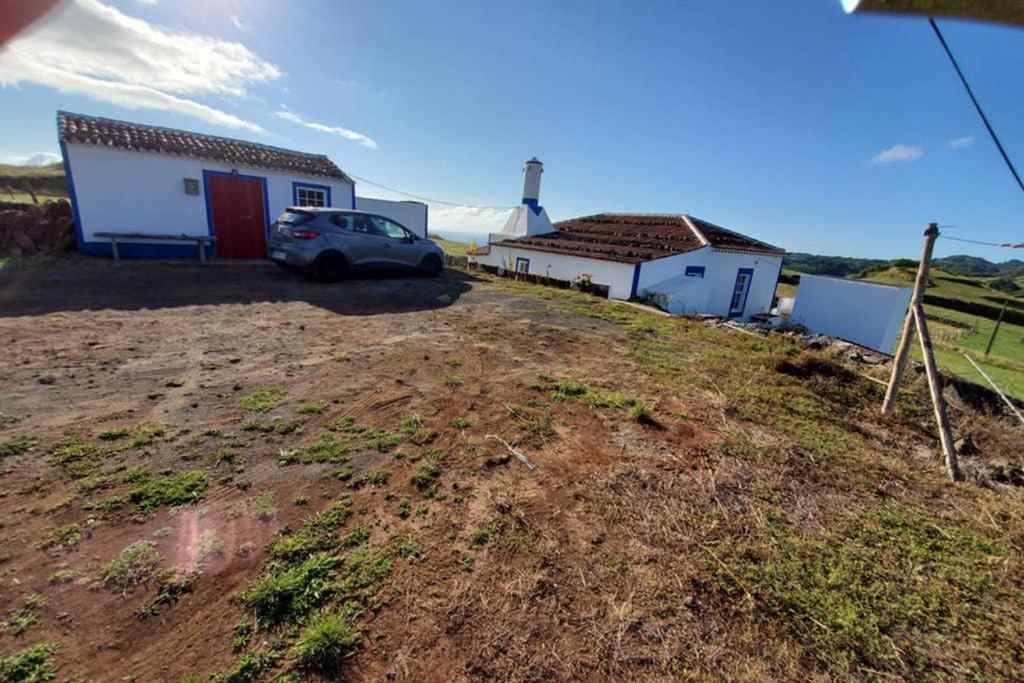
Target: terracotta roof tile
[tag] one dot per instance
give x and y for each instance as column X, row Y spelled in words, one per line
column 634, row 238
column 91, row 130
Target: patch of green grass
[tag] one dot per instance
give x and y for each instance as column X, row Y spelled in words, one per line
column 71, row 450
column 93, row 483
column 134, row 566
column 468, row 563
column 146, row 433
column 452, row 380
column 170, row 586
column 114, row 434
column 317, row 533
column 898, row 590
column 566, row 389
column 182, row 488
column 250, row 667
column 31, row 665
column 16, row 446
column 642, row 412
column 208, row 546
column 341, row 358
column 378, row 477
column 323, row 645
column 289, row 592
column 19, row 621
column 62, row 576
column 327, row 448
column 63, row 537
column 264, row 506
column 314, row 408
column 263, row 400
column 460, row 423
column 405, row 508
column 425, row 475
column 300, row 500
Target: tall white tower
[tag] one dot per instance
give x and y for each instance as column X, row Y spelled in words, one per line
column 529, row 218
column 531, row 182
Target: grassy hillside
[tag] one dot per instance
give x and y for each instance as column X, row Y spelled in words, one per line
column 47, row 181
column 450, row 246
column 956, row 331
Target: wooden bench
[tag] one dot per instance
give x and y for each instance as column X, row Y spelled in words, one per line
column 200, row 240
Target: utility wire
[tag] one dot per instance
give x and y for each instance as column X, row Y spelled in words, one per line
column 970, row 93
column 1005, row 245
column 425, row 199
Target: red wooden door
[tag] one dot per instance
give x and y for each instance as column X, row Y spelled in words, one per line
column 239, row 222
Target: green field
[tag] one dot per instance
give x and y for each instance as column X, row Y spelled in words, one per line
column 451, row 247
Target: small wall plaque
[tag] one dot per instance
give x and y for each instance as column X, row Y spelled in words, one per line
column 191, row 186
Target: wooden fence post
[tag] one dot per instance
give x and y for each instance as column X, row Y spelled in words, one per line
column 995, row 330
column 938, row 402
column 907, row 336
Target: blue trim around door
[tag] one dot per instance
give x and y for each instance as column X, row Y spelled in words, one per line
column 295, row 191
column 749, row 272
column 79, row 234
column 206, row 195
column 636, row 281
column 524, row 260
column 353, row 186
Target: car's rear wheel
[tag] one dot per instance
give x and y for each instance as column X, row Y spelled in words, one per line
column 330, row 267
column 431, row 265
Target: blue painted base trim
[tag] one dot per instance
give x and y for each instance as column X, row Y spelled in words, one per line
column 534, row 205
column 636, row 281
column 135, row 250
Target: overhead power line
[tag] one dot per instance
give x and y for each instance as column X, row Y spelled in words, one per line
column 970, row 93
column 426, row 199
column 1005, row 245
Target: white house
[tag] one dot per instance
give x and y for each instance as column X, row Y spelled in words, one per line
column 691, row 265
column 131, row 178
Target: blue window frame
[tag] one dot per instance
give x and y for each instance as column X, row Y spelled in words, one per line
column 694, row 271
column 309, row 194
column 522, row 265
column 740, row 291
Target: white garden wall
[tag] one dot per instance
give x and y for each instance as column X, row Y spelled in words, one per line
column 865, row 313
column 121, row 191
column 412, row 215
column 617, row 276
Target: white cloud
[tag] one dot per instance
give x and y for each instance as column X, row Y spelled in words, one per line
column 467, row 218
column 37, row 159
column 961, row 142
column 92, row 49
column 240, row 24
column 323, row 128
column 898, row 153
column 146, row 2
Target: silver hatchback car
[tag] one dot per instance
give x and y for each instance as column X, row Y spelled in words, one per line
column 333, row 242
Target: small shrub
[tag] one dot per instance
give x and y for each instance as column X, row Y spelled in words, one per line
column 207, row 546
column 262, row 400
column 288, row 593
column 263, row 506
column 424, row 475
column 62, row 576
column 460, row 423
column 378, row 477
column 134, row 566
column 642, row 413
column 63, row 537
column 145, row 434
column 300, row 500
column 171, row 585
column 31, row 665
column 326, row 449
column 182, row 488
column 16, row 446
column 114, row 434
column 405, row 509
column 323, row 645
column 71, row 450
column 314, row 408
column 468, row 563
column 19, row 621
column 452, row 381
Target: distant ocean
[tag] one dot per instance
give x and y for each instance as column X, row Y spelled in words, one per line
column 457, row 236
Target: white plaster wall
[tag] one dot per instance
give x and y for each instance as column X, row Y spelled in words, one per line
column 712, row 293
column 413, row 215
column 864, row 313
column 121, row 191
column 617, row 276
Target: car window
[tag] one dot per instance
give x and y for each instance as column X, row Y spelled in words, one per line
column 293, row 218
column 385, row 227
column 363, row 224
column 342, row 220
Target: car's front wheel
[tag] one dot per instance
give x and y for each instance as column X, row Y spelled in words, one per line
column 330, row 267
column 431, row 265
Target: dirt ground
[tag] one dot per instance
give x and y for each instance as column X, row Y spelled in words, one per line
column 559, row 572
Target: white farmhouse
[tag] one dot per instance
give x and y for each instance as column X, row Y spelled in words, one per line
column 129, row 178
column 692, row 265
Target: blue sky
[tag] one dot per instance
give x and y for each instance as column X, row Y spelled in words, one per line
column 789, row 121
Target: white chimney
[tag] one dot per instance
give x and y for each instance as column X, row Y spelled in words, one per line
column 529, row 218
column 531, row 182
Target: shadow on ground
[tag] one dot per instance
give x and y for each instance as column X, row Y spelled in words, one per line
column 51, row 285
